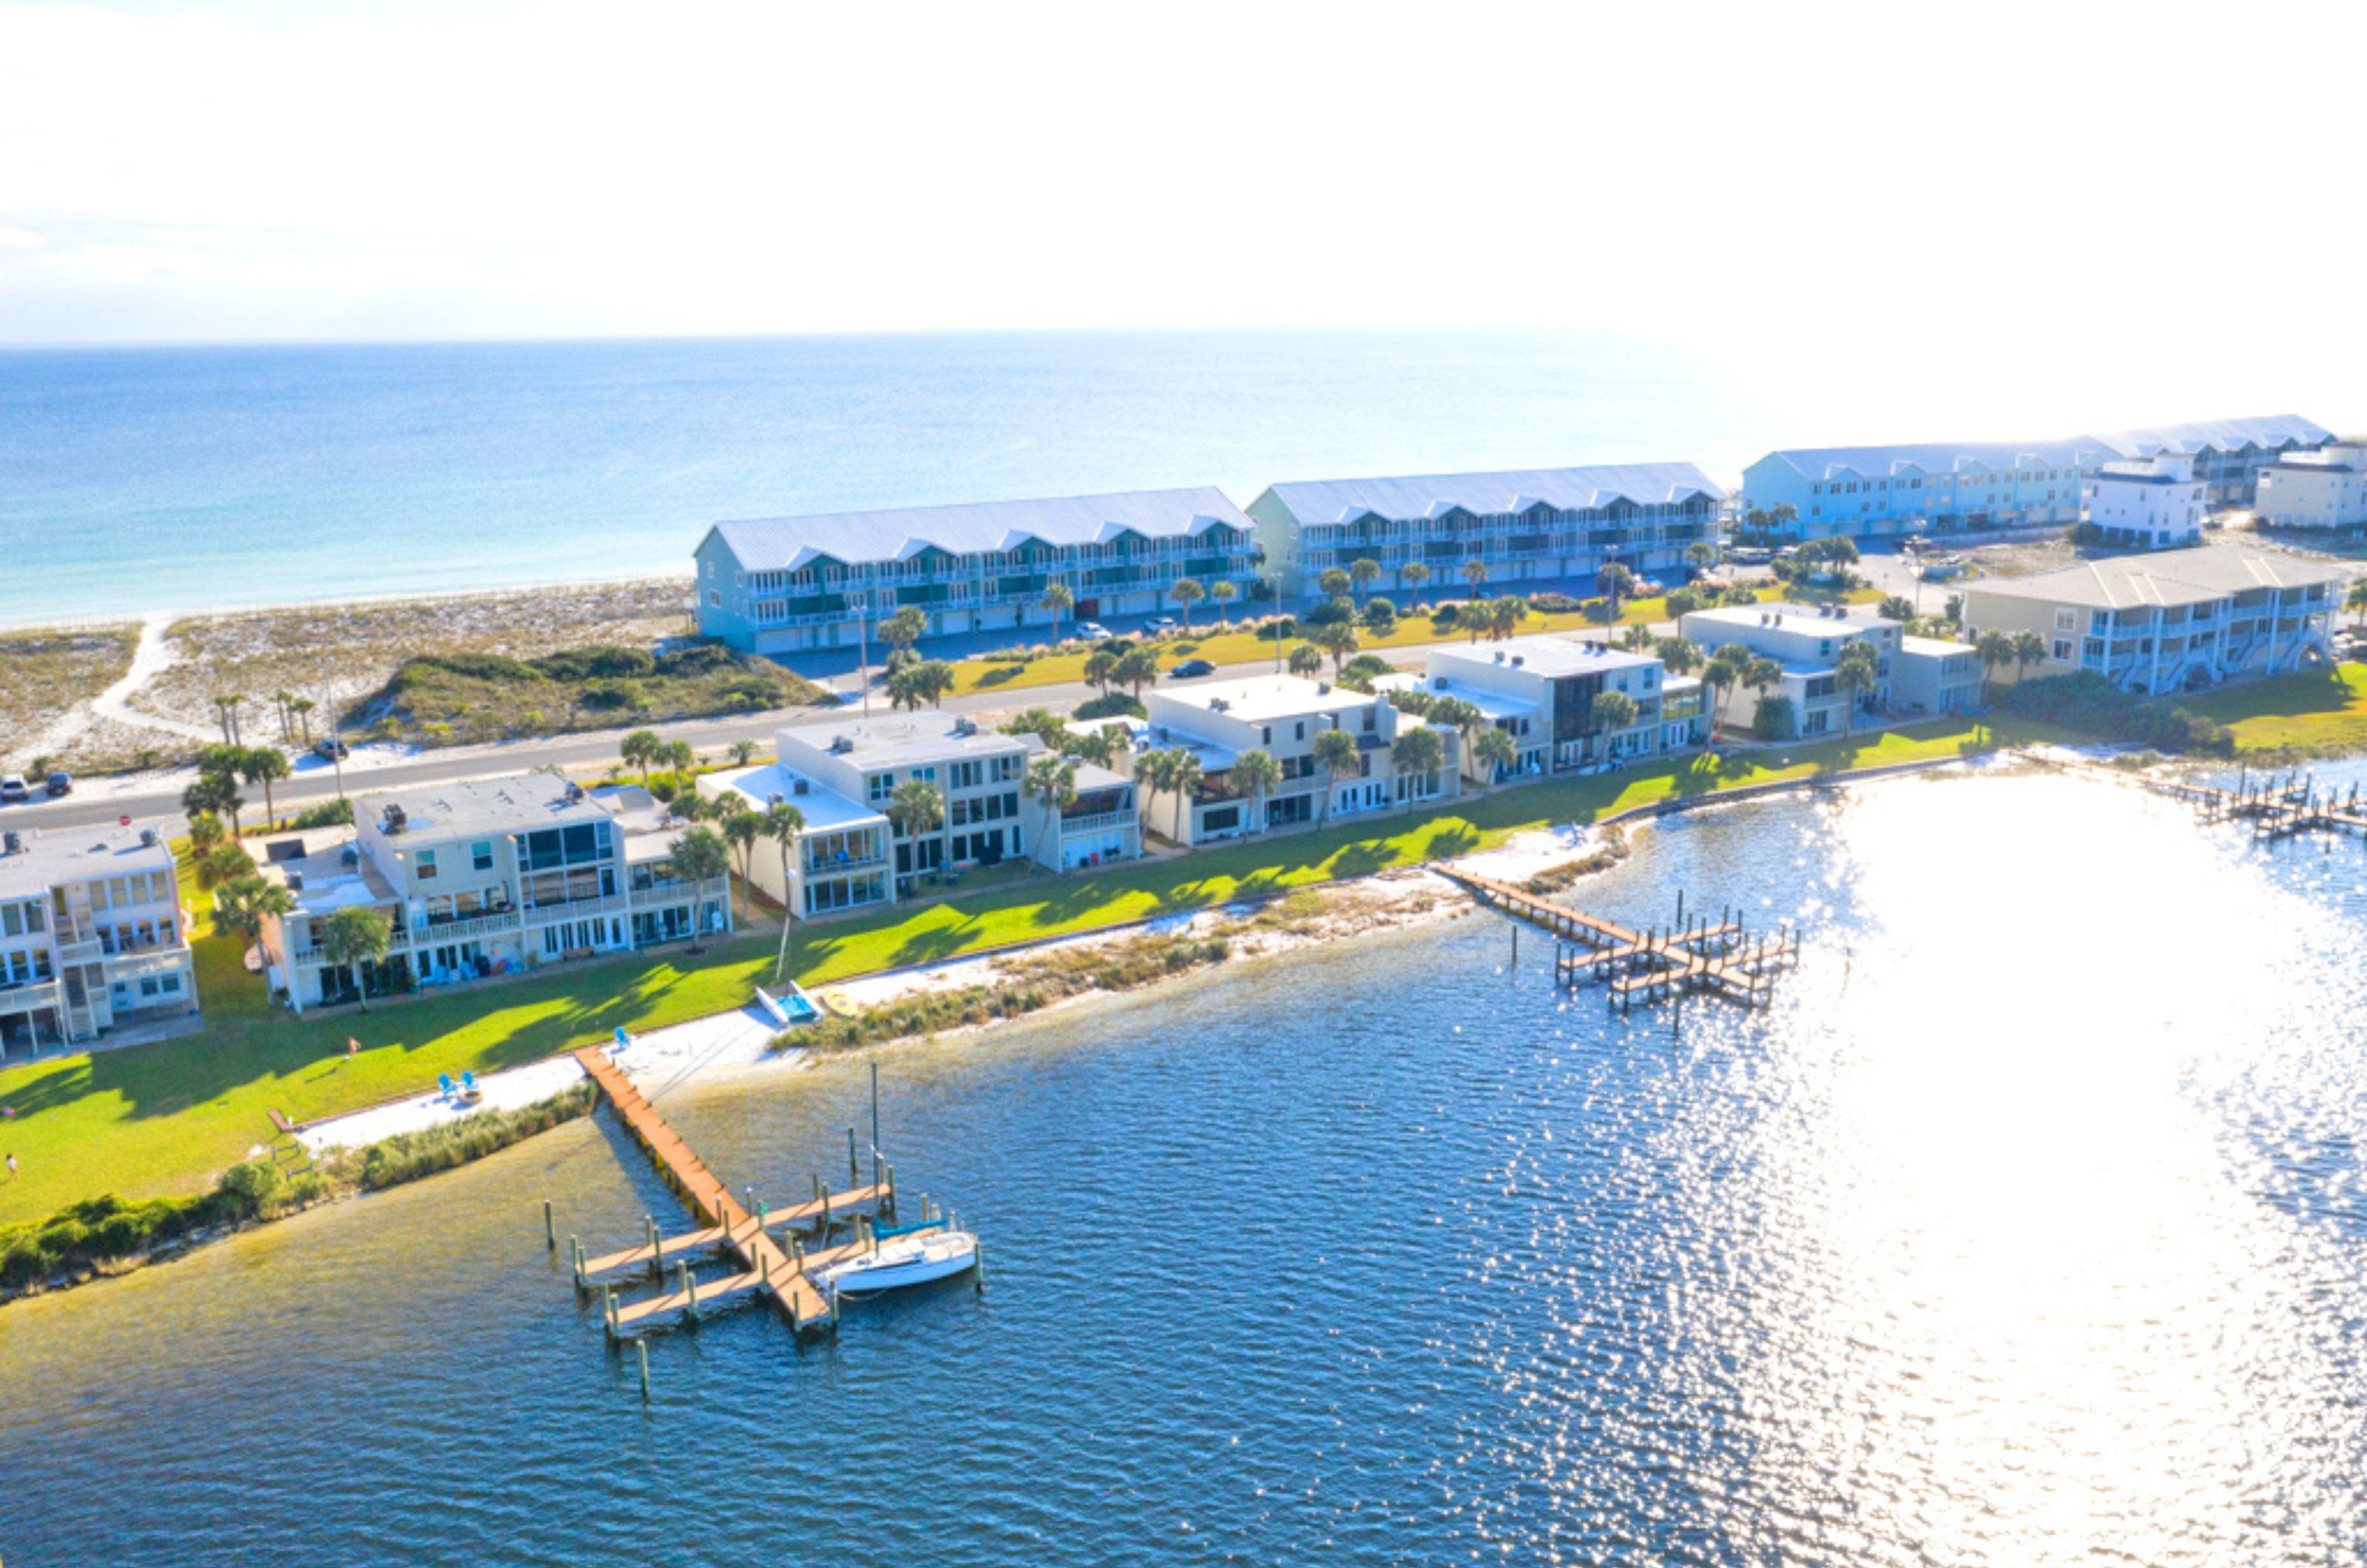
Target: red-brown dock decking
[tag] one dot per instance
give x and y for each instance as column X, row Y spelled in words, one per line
column 786, row 1275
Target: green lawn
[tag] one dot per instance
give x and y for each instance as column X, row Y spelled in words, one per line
column 2323, row 713
column 1221, row 644
column 164, row 1118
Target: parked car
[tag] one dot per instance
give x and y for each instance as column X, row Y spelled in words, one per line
column 1750, row 555
column 1192, row 669
column 1649, row 587
column 332, row 749
column 12, row 787
column 1163, row 625
column 60, row 783
column 1093, row 631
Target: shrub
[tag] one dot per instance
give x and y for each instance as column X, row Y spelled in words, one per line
column 1444, row 615
column 1283, row 627
column 326, row 814
column 1111, row 704
column 1775, row 719
column 407, row 1157
column 596, row 664
column 1329, row 612
column 2084, row 700
column 608, row 695
column 1555, row 604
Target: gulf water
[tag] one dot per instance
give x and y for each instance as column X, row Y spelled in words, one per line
column 2027, row 1228
column 140, row 480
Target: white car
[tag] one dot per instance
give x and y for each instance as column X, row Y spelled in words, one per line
column 1163, row 625
column 1093, row 631
column 12, row 787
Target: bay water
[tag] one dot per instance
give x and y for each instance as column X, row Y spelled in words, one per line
column 2028, row 1227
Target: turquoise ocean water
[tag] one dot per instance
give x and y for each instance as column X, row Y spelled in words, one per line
column 134, row 480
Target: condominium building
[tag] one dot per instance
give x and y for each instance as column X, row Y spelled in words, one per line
column 2170, row 622
column 2153, row 503
column 2324, row 489
column 786, row 584
column 1541, row 690
column 1530, row 529
column 1806, row 641
column 481, row 878
column 854, row 850
column 94, row 943
column 1281, row 716
column 1886, row 492
column 1933, row 676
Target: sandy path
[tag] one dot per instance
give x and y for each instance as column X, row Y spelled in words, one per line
column 151, row 658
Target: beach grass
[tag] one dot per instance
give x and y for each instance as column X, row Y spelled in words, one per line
column 48, row 673
column 166, row 1117
column 1225, row 643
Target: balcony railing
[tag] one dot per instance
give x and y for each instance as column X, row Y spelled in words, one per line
column 1098, row 822
column 432, row 933
column 666, row 893
column 577, row 909
column 29, row 997
column 838, row 867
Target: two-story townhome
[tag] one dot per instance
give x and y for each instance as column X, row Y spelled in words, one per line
column 2168, row 622
column 1932, row 676
column 481, row 877
column 1805, row 641
column 1283, row 716
column 1541, row 690
column 785, row 583
column 94, row 944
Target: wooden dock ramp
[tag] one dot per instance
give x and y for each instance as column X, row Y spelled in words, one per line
column 781, row 1270
column 1719, row 958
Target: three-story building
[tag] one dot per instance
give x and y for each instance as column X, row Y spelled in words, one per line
column 94, row 943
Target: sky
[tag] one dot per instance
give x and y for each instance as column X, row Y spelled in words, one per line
column 2082, row 201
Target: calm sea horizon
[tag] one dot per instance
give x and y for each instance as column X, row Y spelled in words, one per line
column 140, row 480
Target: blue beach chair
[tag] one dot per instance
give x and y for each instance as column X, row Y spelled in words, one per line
column 444, row 1084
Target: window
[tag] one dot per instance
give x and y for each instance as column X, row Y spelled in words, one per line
column 879, row 786
column 714, row 599
column 481, row 855
column 2067, row 621
column 424, row 866
column 2061, row 649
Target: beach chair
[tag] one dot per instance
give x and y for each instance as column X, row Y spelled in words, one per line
column 444, row 1085
column 468, row 1081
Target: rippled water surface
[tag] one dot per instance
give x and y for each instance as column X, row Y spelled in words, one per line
column 2027, row 1228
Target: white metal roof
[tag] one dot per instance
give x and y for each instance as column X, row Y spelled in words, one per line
column 1510, row 490
column 2169, row 576
column 2078, row 451
column 76, row 854
column 784, row 544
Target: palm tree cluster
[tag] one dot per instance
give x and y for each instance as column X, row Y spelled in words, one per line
column 222, row 769
column 925, row 682
column 644, row 750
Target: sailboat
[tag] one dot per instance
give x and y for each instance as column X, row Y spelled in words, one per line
column 916, row 1256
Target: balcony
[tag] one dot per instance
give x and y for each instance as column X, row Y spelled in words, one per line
column 842, row 867
column 430, row 933
column 1099, row 822
column 666, row 893
column 29, row 997
column 156, row 959
column 576, row 909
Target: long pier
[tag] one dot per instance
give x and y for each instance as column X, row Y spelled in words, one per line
column 781, row 1269
column 1721, row 958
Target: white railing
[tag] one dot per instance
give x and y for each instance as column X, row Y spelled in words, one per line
column 1096, row 822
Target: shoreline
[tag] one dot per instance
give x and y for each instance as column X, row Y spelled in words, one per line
column 721, row 1047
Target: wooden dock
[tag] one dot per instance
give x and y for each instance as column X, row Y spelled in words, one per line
column 1719, row 958
column 2276, row 807
column 781, row 1269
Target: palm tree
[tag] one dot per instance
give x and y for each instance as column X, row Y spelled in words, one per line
column 783, row 823
column 743, row 753
column 1614, row 711
column 1334, row 582
column 1475, row 572
column 2356, row 599
column 263, row 765
column 1678, row 656
column 1256, row 774
column 1636, row 638
column 1059, row 597
column 214, row 794
column 1305, row 660
column 917, row 808
column 640, row 749
column 226, row 707
column 245, row 902
column 224, row 864
column 354, row 936
column 1617, row 581
column 1336, row 754
column 1701, row 554
column 1186, row 591
column 905, row 626
column 1337, row 638
column 303, row 708
column 904, row 688
column 1224, row 593
column 1479, row 616
column 1494, row 751
column 699, row 857
column 1137, row 668
column 1413, row 574
column 2029, row 649
column 1100, row 669
column 1462, row 717
column 1762, row 676
column 205, row 833
column 1417, row 752
column 1364, row 573
column 1854, row 671
column 1896, row 607
column 741, row 828
column 279, row 701
column 681, row 756
column 1052, row 779
column 1996, row 649
column 1722, row 674
column 1505, row 614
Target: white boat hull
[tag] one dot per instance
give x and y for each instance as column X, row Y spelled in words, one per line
column 905, row 1260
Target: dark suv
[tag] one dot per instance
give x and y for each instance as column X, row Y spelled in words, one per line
column 60, row 783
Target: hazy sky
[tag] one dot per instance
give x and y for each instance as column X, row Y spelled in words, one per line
column 2079, row 202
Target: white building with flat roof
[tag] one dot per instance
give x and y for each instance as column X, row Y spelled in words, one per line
column 2324, row 489
column 1283, row 716
column 2170, row 622
column 2153, row 503
column 1805, row 641
column 780, row 585
column 1542, row 692
column 93, row 943
column 1528, row 527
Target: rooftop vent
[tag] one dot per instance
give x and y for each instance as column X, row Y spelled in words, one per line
column 1499, row 656
column 839, row 745
column 1220, row 704
column 396, row 820
column 574, row 792
column 350, row 856
column 148, row 837
column 1322, row 688
column 12, row 842
column 800, row 786
column 1517, row 659
column 965, row 727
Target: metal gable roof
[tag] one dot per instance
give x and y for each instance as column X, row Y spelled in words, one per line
column 1944, row 458
column 769, row 544
column 1485, row 494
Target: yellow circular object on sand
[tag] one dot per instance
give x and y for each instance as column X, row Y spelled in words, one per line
column 839, row 1002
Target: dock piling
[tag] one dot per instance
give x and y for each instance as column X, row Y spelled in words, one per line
column 549, row 1229
column 643, row 1347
